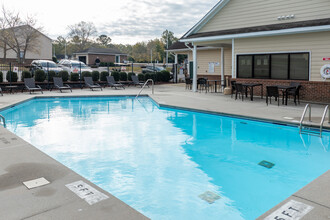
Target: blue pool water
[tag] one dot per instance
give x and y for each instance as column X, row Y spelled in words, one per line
column 160, row 160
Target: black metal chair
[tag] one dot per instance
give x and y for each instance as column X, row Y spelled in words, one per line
column 203, row 84
column 112, row 83
column 136, row 82
column 294, row 92
column 233, row 87
column 272, row 91
column 58, row 83
column 31, row 85
column 239, row 90
column 90, row 84
column 188, row 83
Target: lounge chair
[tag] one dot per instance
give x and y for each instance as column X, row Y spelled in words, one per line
column 58, row 83
column 135, row 81
column 112, row 83
column 90, row 84
column 31, row 85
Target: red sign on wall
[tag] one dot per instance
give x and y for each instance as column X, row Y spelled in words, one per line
column 326, row 58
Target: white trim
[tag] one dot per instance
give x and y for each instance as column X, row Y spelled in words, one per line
column 261, row 34
column 113, row 54
column 233, row 67
column 194, row 69
column 282, row 52
column 198, row 48
column 207, row 17
column 222, row 68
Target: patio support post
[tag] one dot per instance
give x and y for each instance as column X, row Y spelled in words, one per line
column 233, row 58
column 194, row 89
column 222, row 69
column 176, row 58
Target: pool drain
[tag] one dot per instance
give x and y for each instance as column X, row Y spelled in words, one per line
column 209, row 197
column 266, row 164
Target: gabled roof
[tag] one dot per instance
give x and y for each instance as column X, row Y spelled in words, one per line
column 207, row 17
column 109, row 51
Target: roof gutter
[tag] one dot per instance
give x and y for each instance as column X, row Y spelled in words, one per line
column 259, row 34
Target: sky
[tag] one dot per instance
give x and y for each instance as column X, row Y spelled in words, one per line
column 125, row 21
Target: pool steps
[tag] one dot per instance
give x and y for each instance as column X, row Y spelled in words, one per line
column 305, row 128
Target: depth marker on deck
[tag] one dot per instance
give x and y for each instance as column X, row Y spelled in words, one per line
column 86, row 192
column 292, row 210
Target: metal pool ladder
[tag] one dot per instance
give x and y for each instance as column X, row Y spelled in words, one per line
column 309, row 130
column 3, row 120
column 145, row 86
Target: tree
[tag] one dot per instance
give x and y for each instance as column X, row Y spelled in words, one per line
column 19, row 35
column 82, row 33
column 168, row 38
column 103, row 41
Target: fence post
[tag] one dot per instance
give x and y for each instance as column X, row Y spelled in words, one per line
column 47, row 75
column 80, row 74
column 10, row 73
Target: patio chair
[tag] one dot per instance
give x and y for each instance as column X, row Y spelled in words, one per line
column 239, row 90
column 58, row 83
column 203, row 84
column 90, row 84
column 233, row 87
column 294, row 92
column 31, row 85
column 112, row 83
column 272, row 91
column 188, row 83
column 135, row 81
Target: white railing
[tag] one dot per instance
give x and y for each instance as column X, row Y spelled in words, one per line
column 326, row 110
column 146, row 83
column 3, row 120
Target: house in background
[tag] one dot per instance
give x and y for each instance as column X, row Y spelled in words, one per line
column 268, row 42
column 42, row 48
column 103, row 54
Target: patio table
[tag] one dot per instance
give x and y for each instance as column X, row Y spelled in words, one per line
column 215, row 83
column 285, row 90
column 251, row 86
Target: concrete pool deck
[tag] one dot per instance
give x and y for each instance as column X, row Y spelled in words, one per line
column 20, row 161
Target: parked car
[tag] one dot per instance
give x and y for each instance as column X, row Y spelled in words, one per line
column 152, row 69
column 74, row 66
column 45, row 65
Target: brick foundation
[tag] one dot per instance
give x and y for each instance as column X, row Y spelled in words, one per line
column 313, row 91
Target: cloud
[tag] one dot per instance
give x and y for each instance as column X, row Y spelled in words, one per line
column 148, row 19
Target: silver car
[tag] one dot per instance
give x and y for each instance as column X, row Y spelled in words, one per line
column 74, row 66
column 45, row 65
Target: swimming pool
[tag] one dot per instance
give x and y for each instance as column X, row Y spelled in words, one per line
column 170, row 163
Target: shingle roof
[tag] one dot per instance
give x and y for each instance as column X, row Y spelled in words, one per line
column 180, row 45
column 93, row 50
column 272, row 27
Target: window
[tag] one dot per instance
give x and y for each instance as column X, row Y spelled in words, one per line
column 245, row 66
column 293, row 66
column 261, row 66
column 279, row 66
column 299, row 66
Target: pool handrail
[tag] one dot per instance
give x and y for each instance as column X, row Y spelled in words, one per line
column 3, row 120
column 145, row 86
column 326, row 110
